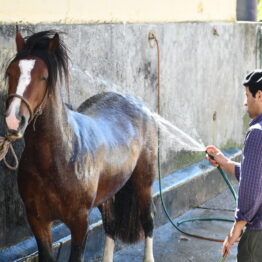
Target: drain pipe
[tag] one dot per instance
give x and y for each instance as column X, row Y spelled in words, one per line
column 247, row 10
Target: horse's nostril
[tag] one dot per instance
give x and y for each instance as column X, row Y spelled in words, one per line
column 12, row 132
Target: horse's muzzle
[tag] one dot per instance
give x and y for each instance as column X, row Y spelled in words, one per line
column 13, row 135
column 15, row 125
column 15, row 131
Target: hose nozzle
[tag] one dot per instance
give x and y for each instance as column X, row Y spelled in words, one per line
column 211, row 157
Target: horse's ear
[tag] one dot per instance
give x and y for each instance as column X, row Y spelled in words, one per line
column 20, row 42
column 53, row 43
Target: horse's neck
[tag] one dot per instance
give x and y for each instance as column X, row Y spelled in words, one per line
column 52, row 126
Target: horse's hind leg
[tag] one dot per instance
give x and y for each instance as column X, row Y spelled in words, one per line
column 146, row 216
column 106, row 210
column 42, row 232
column 142, row 179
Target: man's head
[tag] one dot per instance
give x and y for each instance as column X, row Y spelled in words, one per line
column 253, row 84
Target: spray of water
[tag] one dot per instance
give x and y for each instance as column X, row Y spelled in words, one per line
column 104, row 84
column 177, row 138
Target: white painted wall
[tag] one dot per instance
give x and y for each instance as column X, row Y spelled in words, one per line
column 115, row 11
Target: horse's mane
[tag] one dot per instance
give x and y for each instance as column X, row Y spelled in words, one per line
column 57, row 61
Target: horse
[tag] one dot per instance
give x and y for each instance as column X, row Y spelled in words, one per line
column 101, row 155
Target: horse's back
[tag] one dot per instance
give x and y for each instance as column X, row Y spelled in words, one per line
column 115, row 103
column 121, row 110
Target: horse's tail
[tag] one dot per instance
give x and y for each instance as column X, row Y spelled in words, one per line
column 128, row 226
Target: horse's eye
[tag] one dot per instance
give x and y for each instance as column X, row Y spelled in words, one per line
column 43, row 78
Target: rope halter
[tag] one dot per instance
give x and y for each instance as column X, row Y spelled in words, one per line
column 6, row 142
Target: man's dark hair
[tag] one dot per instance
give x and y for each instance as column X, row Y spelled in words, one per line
column 254, row 82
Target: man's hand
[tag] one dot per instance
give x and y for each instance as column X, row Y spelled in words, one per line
column 232, row 238
column 220, row 160
column 212, row 152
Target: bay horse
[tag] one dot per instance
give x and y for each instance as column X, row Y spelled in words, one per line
column 102, row 155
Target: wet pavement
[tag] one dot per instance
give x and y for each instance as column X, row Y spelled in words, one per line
column 172, row 246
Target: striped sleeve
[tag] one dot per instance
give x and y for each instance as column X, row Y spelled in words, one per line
column 250, row 186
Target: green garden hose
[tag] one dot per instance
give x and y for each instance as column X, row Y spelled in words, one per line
column 176, row 225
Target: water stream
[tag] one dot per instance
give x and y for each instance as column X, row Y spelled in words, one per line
column 174, row 137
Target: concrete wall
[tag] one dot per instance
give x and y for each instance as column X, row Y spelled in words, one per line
column 114, row 11
column 202, row 67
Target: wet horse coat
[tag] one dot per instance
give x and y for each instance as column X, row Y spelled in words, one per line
column 103, row 155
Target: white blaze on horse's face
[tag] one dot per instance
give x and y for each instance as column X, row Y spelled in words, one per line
column 25, row 66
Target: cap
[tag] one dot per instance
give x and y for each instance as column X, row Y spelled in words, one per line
column 254, row 79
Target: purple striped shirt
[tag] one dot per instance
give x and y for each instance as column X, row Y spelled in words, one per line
column 249, row 174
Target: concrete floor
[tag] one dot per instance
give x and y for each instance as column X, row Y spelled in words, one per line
column 172, row 246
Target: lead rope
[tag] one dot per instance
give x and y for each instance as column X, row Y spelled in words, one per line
column 5, row 145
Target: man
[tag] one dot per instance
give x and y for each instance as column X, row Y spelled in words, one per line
column 249, row 173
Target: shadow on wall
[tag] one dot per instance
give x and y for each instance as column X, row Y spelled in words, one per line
column 13, row 224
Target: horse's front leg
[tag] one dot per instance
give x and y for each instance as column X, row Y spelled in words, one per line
column 78, row 226
column 42, row 232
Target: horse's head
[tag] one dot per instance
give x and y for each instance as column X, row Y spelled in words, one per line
column 27, row 86
column 29, row 79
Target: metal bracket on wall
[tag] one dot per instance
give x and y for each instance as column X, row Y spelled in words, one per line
column 151, row 38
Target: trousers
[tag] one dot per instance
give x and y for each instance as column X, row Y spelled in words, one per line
column 250, row 246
